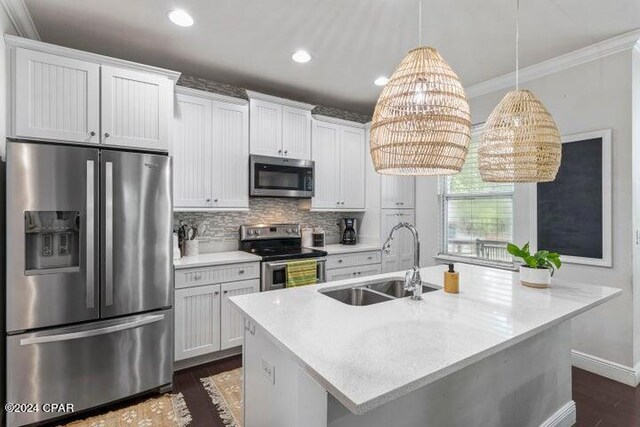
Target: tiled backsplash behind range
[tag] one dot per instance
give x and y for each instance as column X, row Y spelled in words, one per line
column 222, row 227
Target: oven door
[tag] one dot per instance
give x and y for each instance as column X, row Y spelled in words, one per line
column 274, row 274
column 281, row 177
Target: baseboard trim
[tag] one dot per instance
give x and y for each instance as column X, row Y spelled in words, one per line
column 206, row 358
column 563, row 417
column 606, row 368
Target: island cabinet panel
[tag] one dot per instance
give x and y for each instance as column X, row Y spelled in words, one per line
column 136, row 108
column 339, row 152
column 197, row 321
column 397, row 192
column 56, row 98
column 210, row 148
column 191, row 149
column 232, row 322
column 277, row 392
column 400, row 255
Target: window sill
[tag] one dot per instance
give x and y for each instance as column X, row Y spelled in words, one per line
column 447, row 259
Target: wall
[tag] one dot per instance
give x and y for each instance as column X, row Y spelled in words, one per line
column 635, row 117
column 222, row 228
column 592, row 96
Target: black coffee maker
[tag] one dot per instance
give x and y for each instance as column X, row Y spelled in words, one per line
column 349, row 231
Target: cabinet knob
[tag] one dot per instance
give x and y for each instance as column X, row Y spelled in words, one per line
column 240, row 272
column 279, row 151
column 339, row 260
column 92, row 133
column 198, row 277
column 286, row 152
column 215, row 200
column 226, row 292
column 208, row 200
column 216, row 293
column 106, row 135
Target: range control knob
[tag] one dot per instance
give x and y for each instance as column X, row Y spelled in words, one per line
column 250, row 232
column 257, row 232
column 289, row 230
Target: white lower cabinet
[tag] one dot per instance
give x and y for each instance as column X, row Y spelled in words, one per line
column 352, row 265
column 197, row 321
column 400, row 255
column 353, row 272
column 232, row 321
column 205, row 319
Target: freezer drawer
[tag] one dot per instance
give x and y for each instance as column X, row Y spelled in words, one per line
column 89, row 365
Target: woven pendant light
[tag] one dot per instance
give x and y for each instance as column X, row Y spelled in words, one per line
column 421, row 123
column 520, row 141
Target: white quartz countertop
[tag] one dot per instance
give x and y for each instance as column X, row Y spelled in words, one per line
column 338, row 248
column 369, row 355
column 216, row 258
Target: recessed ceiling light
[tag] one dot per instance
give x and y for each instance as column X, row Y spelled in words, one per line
column 381, row 81
column 301, row 56
column 180, row 17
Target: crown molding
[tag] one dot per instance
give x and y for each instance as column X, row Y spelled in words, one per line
column 14, row 41
column 595, row 51
column 283, row 101
column 20, row 18
column 337, row 121
column 210, row 95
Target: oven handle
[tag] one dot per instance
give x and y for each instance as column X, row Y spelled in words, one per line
column 277, row 264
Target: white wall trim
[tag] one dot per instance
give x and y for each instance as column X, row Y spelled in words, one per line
column 13, row 41
column 284, row 101
column 210, row 95
column 595, row 51
column 337, row 121
column 20, row 18
column 606, row 368
column 563, row 417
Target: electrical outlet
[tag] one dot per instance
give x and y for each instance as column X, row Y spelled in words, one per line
column 268, row 370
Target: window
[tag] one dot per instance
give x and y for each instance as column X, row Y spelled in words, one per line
column 477, row 216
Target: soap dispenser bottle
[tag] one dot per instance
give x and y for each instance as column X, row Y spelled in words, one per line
column 451, row 281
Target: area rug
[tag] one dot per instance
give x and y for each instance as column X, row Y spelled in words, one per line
column 225, row 390
column 168, row 410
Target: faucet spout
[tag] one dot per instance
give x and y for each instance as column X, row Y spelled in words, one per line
column 413, row 281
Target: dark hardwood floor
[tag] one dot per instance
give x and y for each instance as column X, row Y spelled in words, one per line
column 600, row 402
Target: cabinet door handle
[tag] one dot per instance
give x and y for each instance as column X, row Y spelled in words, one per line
column 215, row 200
column 286, row 152
column 279, row 151
column 106, row 135
column 226, row 292
column 92, row 133
column 208, row 200
column 216, row 293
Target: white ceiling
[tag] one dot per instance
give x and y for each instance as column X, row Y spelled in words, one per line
column 249, row 42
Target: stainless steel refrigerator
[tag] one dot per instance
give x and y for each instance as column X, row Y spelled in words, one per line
column 88, row 277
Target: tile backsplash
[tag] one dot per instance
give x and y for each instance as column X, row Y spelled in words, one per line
column 222, row 227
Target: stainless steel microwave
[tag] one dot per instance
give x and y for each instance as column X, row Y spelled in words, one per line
column 281, row 177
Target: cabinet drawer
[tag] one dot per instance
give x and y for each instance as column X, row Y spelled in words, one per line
column 220, row 273
column 354, row 259
column 353, row 272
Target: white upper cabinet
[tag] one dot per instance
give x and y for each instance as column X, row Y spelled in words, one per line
column 230, row 162
column 279, row 127
column 338, row 151
column 266, row 128
column 296, row 133
column 73, row 96
column 136, row 109
column 191, row 149
column 352, row 173
column 398, row 192
column 56, row 97
column 326, row 137
column 210, row 150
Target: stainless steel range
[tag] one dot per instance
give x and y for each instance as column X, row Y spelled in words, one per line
column 89, row 276
column 277, row 244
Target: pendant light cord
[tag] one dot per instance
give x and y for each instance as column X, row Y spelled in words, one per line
column 517, row 44
column 420, row 23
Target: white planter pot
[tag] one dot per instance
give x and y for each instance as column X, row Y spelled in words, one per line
column 535, row 277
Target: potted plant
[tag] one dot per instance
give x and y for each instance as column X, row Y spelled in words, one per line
column 538, row 268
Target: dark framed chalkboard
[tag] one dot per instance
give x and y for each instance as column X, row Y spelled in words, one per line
column 573, row 213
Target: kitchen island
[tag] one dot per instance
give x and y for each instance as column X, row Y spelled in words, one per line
column 497, row 354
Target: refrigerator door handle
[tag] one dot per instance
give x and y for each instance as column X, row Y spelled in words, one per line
column 90, row 214
column 93, row 332
column 108, row 220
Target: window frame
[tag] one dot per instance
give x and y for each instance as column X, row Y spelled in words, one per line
column 443, row 223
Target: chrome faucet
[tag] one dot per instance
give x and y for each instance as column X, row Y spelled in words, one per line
column 412, row 280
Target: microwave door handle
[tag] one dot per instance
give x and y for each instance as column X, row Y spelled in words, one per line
column 108, row 235
column 90, row 232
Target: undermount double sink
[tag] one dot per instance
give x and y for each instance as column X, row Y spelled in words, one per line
column 373, row 293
